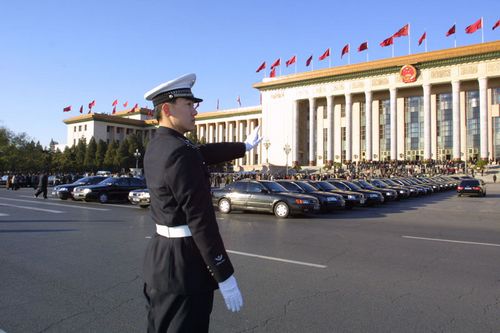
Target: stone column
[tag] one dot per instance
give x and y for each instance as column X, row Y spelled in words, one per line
column 455, row 87
column 348, row 127
column 368, row 125
column 483, row 117
column 253, row 151
column 231, row 132
column 312, row 131
column 202, row 132
column 329, row 126
column 427, row 121
column 394, row 125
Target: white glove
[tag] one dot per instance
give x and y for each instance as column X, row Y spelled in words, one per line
column 253, row 139
column 231, row 294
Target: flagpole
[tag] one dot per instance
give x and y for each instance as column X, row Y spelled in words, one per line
column 392, row 45
column 349, row 54
column 367, row 57
column 409, row 35
column 425, row 43
column 455, row 34
column 295, row 64
column 482, row 30
column 280, row 66
column 329, row 58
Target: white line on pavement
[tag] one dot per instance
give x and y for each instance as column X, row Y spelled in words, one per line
column 451, row 241
column 277, row 259
column 3, row 214
column 33, row 208
column 54, row 204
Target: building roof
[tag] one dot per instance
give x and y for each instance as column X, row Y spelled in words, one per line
column 463, row 54
column 117, row 118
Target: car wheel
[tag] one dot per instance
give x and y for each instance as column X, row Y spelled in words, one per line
column 144, row 206
column 103, row 198
column 281, row 210
column 224, row 206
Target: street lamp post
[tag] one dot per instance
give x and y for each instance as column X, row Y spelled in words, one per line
column 267, row 144
column 137, row 155
column 287, row 151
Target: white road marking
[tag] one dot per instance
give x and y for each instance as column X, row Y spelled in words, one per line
column 277, row 259
column 148, row 237
column 3, row 214
column 451, row 241
column 33, row 208
column 54, row 204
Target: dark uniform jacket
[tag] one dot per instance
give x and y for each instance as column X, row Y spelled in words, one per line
column 179, row 186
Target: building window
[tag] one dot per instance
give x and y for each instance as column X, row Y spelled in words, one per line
column 496, row 138
column 343, row 142
column 384, row 127
column 118, row 130
column 362, row 128
column 342, row 110
column 325, row 143
column 444, row 126
column 495, row 96
column 74, row 129
column 79, row 128
column 472, row 123
column 108, row 129
column 414, row 127
column 85, row 127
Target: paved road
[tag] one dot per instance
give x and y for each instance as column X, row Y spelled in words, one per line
column 421, row 265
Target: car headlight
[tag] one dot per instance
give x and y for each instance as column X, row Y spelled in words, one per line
column 331, row 199
column 373, row 195
column 86, row 190
column 144, row 195
column 388, row 193
column 350, row 196
column 62, row 189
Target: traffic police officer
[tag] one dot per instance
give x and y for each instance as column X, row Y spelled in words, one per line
column 185, row 260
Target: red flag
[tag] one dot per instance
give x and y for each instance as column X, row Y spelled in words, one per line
column 91, row 104
column 125, row 104
column 81, row 109
column 363, row 46
column 273, row 73
column 308, row 61
column 474, row 26
column 291, row 61
column 238, row 100
column 150, row 113
column 403, row 31
column 115, row 102
column 67, row 109
column 344, row 50
column 422, row 38
column 496, row 25
column 451, row 31
column 114, row 110
column 325, row 55
column 135, row 107
column 276, row 63
column 387, row 42
column 261, row 67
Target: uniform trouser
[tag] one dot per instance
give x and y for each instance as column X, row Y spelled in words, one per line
column 178, row 313
column 42, row 190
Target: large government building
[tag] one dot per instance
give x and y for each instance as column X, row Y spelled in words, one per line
column 440, row 105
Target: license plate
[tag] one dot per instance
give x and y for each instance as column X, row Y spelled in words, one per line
column 467, row 188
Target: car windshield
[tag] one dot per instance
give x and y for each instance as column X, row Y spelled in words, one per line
column 379, row 183
column 390, row 182
column 469, row 183
column 353, row 186
column 327, row 186
column 109, row 181
column 341, row 186
column 306, row 187
column 290, row 186
column 366, row 184
column 274, row 187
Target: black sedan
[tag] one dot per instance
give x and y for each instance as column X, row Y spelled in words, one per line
column 109, row 189
column 403, row 193
column 352, row 199
column 64, row 191
column 388, row 194
column 328, row 201
column 472, row 187
column 264, row 196
column 372, row 197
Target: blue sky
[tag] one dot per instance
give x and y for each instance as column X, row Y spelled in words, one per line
column 57, row 53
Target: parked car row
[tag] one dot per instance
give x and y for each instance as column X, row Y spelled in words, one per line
column 99, row 188
column 288, row 197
